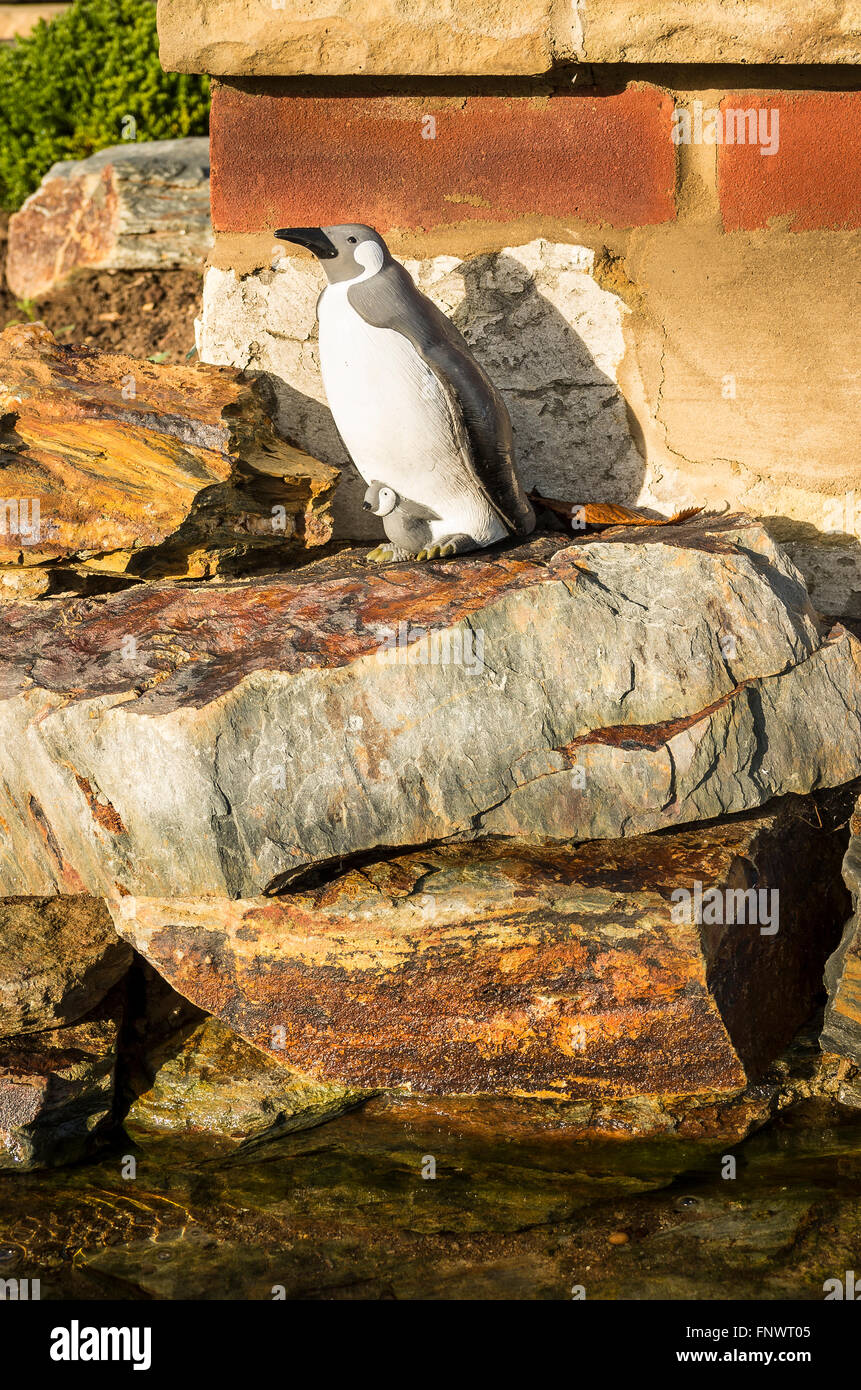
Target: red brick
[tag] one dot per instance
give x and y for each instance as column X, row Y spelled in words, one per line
column 814, row 178
column 281, row 160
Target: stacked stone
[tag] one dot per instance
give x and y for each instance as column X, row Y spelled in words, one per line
column 484, row 867
column 551, row 833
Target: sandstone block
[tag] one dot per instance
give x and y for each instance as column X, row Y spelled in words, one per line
column 714, row 31
column 478, row 37
column 346, row 36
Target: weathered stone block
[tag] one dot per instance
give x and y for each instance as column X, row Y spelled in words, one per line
column 479, row 37
column 133, row 206
column 551, row 691
column 671, row 965
column 145, row 469
column 346, row 36
column 719, row 31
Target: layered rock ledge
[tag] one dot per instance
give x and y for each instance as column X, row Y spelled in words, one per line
column 487, row 969
column 180, row 740
column 130, row 467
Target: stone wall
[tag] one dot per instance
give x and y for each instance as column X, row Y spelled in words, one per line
column 654, row 252
column 497, row 37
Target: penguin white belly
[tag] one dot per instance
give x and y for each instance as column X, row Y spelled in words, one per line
column 396, row 421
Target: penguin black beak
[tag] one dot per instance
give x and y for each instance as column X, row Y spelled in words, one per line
column 367, row 506
column 312, row 238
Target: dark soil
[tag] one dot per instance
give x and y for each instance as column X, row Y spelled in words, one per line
column 141, row 313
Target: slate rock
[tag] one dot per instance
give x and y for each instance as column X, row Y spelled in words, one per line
column 142, row 468
column 182, row 740
column 57, row 1091
column 206, row 1079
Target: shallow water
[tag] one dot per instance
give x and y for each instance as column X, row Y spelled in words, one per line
column 343, row 1211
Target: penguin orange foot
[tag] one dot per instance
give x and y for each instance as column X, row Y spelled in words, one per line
column 448, row 545
column 385, row 554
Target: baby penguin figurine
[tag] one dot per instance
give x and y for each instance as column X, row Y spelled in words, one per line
column 407, row 525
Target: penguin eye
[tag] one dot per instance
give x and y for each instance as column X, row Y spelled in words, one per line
column 352, row 238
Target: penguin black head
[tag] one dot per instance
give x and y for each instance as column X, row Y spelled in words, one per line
column 345, row 252
column 380, row 499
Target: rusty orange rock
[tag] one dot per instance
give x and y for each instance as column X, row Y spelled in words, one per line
column 141, row 468
column 500, row 971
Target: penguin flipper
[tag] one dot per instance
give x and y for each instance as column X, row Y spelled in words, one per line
column 391, row 300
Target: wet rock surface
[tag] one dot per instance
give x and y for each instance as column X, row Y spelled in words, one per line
column 187, row 1073
column 210, row 1081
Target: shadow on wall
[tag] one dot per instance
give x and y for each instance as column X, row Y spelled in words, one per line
column 572, row 430
column 571, row 422
column 551, row 338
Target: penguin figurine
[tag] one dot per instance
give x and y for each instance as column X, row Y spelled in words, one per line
column 407, row 524
column 411, row 404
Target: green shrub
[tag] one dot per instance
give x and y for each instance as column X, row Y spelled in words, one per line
column 68, row 90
